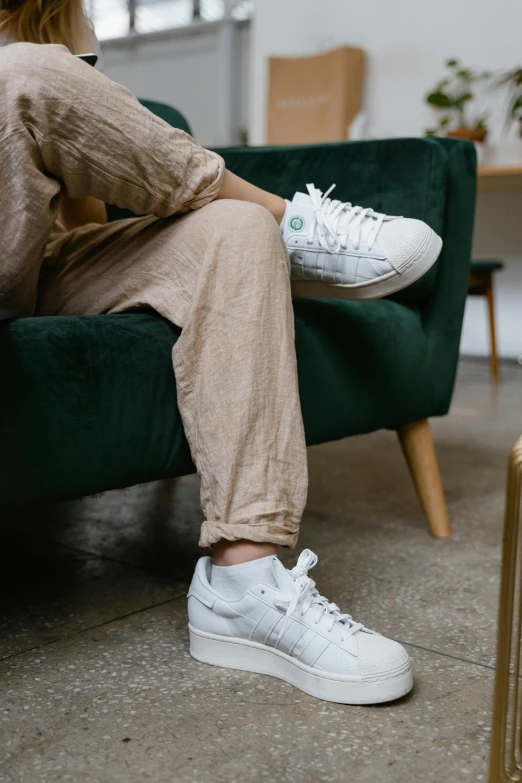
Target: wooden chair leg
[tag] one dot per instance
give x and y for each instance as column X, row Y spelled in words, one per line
column 493, row 358
column 419, row 451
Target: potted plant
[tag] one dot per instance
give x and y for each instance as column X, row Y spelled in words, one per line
column 513, row 81
column 452, row 97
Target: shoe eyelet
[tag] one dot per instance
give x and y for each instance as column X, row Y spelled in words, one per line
column 262, row 592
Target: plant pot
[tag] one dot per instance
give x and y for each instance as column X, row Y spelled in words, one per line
column 476, row 135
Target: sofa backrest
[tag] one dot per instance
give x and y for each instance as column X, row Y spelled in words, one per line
column 397, row 176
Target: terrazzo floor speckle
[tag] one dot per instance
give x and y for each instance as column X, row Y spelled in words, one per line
column 96, row 682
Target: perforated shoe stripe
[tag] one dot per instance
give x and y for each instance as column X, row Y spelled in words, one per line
column 313, row 650
column 272, row 633
column 260, row 629
column 293, row 633
column 303, row 643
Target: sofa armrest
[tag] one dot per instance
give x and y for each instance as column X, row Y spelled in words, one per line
column 444, row 311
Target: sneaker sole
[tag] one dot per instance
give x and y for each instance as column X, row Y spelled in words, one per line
column 254, row 657
column 317, row 289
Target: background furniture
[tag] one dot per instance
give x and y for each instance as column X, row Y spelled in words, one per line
column 88, row 404
column 499, row 178
column 506, row 743
column 481, row 284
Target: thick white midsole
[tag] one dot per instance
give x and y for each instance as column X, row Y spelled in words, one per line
column 254, row 657
column 310, row 289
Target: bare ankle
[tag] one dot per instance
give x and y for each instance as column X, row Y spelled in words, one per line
column 278, row 208
column 227, row 553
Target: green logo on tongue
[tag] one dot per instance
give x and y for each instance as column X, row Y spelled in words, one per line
column 297, row 223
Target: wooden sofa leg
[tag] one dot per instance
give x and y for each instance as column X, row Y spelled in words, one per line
column 419, row 451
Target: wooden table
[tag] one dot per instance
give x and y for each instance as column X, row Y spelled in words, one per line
column 491, row 178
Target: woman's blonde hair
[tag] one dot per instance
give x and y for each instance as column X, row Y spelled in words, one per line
column 47, row 21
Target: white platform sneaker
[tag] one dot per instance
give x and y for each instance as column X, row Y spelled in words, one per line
column 293, row 633
column 340, row 250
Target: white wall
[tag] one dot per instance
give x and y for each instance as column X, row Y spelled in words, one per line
column 407, row 42
column 185, row 68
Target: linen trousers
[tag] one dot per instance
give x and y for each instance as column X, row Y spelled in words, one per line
column 216, row 268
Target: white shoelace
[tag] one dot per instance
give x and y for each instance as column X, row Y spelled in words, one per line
column 336, row 222
column 305, row 595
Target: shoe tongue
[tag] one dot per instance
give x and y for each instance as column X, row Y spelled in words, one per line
column 282, row 576
column 302, row 200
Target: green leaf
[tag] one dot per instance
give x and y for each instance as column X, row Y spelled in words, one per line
column 453, row 63
column 430, row 132
column 462, row 99
column 444, row 121
column 513, row 77
column 439, row 99
column 515, row 110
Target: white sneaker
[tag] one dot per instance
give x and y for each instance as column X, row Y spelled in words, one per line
column 340, row 250
column 292, row 632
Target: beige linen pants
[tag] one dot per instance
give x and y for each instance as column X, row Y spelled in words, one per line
column 218, row 269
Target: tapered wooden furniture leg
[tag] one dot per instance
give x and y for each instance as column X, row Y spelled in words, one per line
column 419, row 450
column 505, row 761
column 493, row 358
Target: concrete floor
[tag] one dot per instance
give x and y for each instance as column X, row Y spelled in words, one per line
column 97, row 684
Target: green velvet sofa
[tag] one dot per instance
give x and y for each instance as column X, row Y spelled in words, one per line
column 88, row 404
